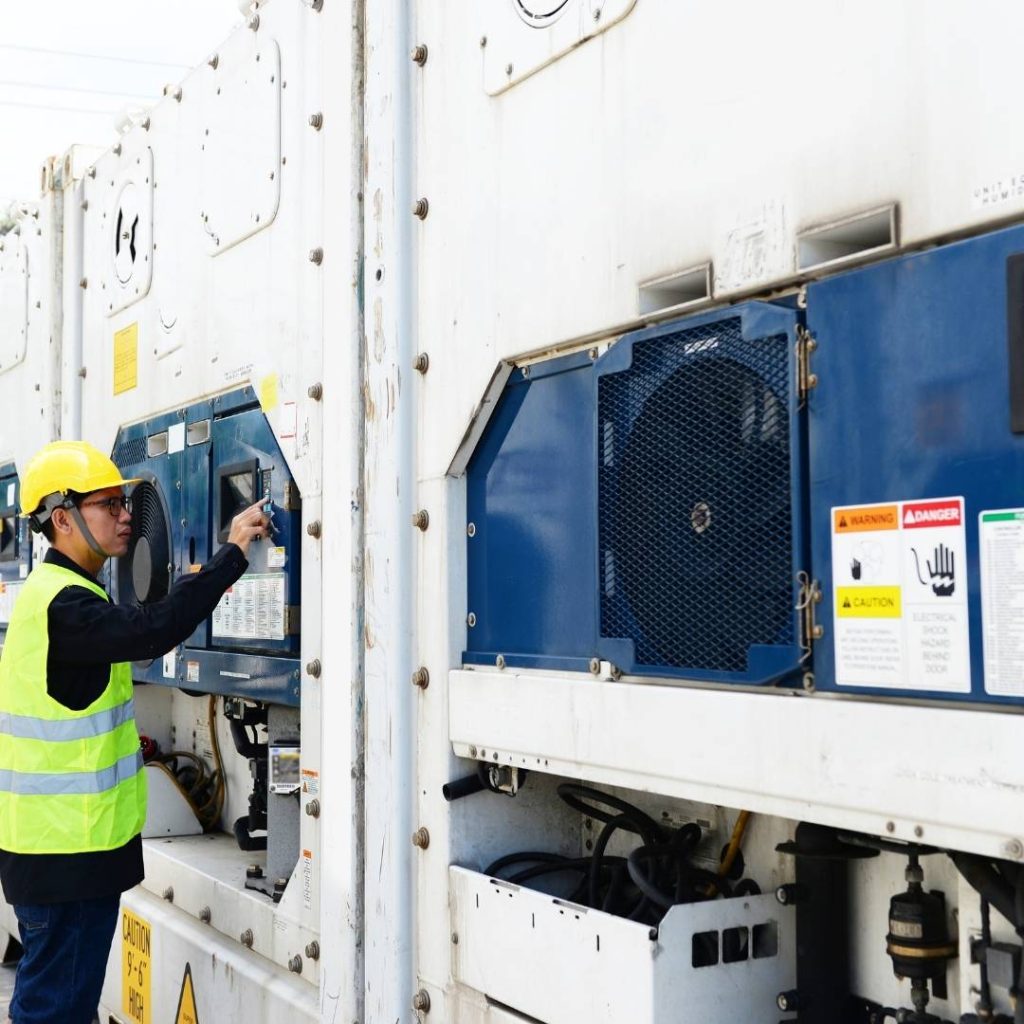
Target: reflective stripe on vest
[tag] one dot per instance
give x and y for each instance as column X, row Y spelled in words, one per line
column 25, row 727
column 70, row 781
column 36, row 784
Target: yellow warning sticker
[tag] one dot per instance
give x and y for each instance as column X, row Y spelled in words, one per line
column 870, row 517
column 187, row 1012
column 268, row 392
column 126, row 358
column 868, row 602
column 136, row 958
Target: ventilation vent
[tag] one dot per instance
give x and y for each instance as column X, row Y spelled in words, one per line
column 128, row 453
column 695, row 530
column 846, row 240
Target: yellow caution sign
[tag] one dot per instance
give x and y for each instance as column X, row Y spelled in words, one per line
column 136, row 958
column 187, row 1013
column 126, row 358
column 868, row 603
column 865, row 519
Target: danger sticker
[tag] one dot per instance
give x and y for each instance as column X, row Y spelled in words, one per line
column 900, row 603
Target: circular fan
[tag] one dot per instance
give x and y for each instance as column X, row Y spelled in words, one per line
column 701, row 531
column 126, row 226
column 144, row 573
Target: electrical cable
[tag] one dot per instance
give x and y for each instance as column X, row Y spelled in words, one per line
column 656, row 875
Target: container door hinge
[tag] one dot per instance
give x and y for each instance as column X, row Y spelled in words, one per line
column 805, row 380
column 292, row 502
column 808, row 599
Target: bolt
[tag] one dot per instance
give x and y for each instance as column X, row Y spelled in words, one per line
column 421, row 519
column 117, row 149
column 91, row 172
column 421, row 1001
column 315, row 391
column 419, row 55
column 85, row 204
column 145, row 122
column 295, row 964
column 205, row 915
column 421, row 363
column 213, row 60
column 787, row 1001
column 455, row 938
column 421, row 208
column 313, row 529
column 316, row 255
column 471, row 619
column 316, row 121
column 808, row 682
column 313, row 950
column 168, row 894
column 313, row 810
column 595, row 666
column 173, row 90
column 421, row 678
column 918, row 831
column 1014, row 849
column 84, row 283
column 313, row 668
column 421, row 838
column 254, row 871
column 483, row 41
column 890, row 826
column 499, row 661
column 787, row 895
column 508, row 70
column 246, row 938
column 471, row 530
column 254, row 24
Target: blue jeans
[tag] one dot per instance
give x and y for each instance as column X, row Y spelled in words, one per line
column 61, row 973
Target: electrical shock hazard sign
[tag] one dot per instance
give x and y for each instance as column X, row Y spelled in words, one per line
column 900, row 581
column 187, row 1013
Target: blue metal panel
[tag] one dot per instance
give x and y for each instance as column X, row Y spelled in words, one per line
column 530, row 494
column 913, row 402
column 699, row 511
column 261, row 668
column 15, row 538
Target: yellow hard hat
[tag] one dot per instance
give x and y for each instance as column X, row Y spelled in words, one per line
column 63, row 466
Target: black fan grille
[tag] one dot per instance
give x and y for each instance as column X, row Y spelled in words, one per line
column 143, row 574
column 695, row 498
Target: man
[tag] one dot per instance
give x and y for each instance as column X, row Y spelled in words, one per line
column 72, row 787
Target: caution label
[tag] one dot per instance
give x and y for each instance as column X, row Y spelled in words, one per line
column 136, row 960
column 126, row 358
column 1001, row 546
column 900, row 603
column 187, row 1012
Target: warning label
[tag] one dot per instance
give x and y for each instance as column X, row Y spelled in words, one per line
column 187, row 1013
column 252, row 609
column 136, row 957
column 1001, row 547
column 899, row 572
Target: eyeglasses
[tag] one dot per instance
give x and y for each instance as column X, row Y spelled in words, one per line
column 112, row 505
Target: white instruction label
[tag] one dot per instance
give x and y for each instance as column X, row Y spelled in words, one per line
column 170, row 664
column 307, row 879
column 1001, row 546
column 10, row 493
column 900, row 579
column 252, row 608
column 277, row 557
column 175, row 438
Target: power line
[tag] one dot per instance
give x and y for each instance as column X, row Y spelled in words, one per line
column 92, row 56
column 109, row 111
column 14, row 83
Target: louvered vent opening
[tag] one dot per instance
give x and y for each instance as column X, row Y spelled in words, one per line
column 128, row 453
column 694, row 504
column 143, row 574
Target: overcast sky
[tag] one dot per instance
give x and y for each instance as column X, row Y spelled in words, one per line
column 67, row 67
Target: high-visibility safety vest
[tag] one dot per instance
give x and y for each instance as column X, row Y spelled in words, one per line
column 70, row 781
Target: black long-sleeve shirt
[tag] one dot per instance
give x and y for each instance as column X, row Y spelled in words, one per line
column 86, row 635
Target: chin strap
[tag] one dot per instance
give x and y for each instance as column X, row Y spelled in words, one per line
column 86, row 532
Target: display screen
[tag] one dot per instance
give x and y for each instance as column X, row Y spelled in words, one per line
column 237, row 492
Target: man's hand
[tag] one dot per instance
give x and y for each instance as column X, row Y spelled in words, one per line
column 250, row 524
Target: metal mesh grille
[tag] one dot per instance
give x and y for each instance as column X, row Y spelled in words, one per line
column 694, row 503
column 128, row 453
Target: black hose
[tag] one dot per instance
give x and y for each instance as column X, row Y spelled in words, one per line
column 458, row 788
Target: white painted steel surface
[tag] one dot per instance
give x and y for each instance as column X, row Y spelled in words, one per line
column 560, row 962
column 389, row 501
column 230, row 983
column 858, row 765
